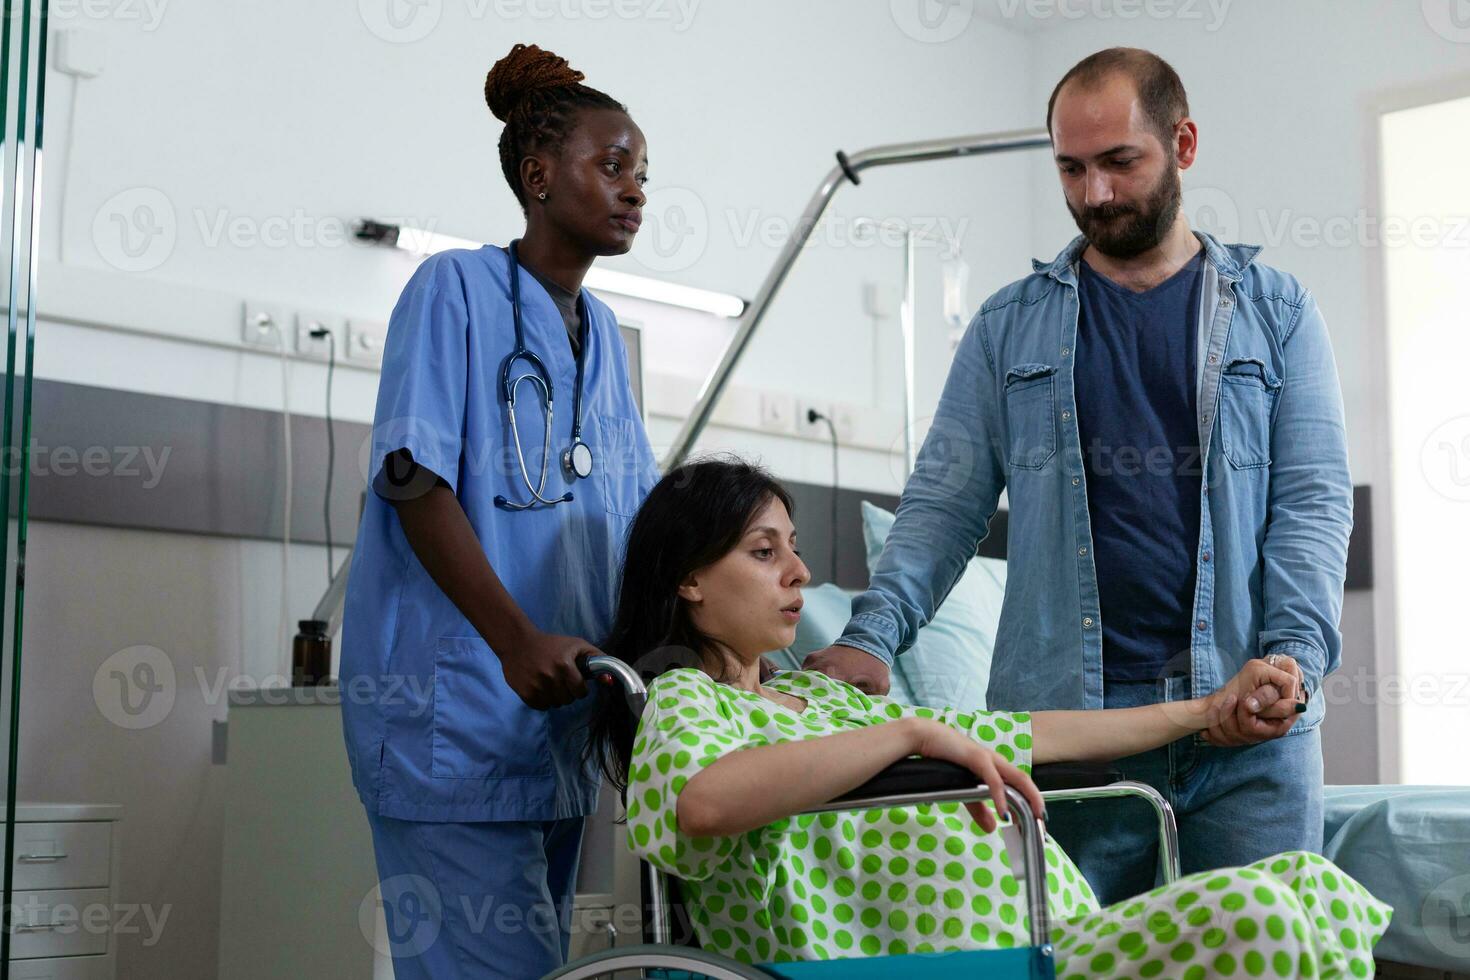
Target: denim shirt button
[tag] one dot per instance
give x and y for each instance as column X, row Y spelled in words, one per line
column 1214, row 358
column 1066, row 416
column 1066, row 351
column 1087, row 622
column 1200, row 625
column 1076, row 481
column 1081, row 551
column 1207, row 556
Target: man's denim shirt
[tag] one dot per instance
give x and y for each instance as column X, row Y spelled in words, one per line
column 1275, row 501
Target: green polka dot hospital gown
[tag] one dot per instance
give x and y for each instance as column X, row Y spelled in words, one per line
column 927, row 878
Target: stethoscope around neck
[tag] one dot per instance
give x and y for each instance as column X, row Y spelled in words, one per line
column 576, row 459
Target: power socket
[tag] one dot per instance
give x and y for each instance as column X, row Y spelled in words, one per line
column 778, row 412
column 319, row 348
column 365, row 341
column 264, row 325
column 804, row 427
column 844, row 420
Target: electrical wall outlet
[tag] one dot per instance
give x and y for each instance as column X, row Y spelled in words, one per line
column 778, row 412
column 805, row 427
column 264, row 325
column 365, row 340
column 308, row 321
column 844, row 421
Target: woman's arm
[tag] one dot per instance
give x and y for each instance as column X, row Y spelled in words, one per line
column 757, row 786
column 760, row 785
column 540, row 667
column 1101, row 736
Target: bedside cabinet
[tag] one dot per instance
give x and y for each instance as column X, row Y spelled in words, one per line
column 64, row 891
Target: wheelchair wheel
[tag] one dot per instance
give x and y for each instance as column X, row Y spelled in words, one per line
column 672, row 962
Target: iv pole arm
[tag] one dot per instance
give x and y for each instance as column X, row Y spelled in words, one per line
column 848, row 168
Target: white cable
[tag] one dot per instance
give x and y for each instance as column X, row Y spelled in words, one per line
column 284, row 637
column 65, row 183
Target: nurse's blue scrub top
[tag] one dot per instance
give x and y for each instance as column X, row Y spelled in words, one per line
column 433, row 731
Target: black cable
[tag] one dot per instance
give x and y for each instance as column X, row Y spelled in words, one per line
column 812, row 415
column 319, row 333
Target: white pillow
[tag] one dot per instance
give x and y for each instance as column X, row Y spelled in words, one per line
column 949, row 664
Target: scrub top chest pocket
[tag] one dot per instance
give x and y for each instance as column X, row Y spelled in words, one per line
column 1030, row 394
column 622, row 461
column 1248, row 393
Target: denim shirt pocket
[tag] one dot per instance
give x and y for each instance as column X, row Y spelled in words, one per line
column 1248, row 393
column 1030, row 393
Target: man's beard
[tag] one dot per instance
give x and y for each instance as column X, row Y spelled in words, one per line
column 1124, row 231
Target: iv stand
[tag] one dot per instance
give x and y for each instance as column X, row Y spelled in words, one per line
column 848, row 168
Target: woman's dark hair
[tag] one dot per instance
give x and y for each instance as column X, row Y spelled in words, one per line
column 692, row 518
column 537, row 95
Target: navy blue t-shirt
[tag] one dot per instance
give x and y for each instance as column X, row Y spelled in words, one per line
column 1135, row 371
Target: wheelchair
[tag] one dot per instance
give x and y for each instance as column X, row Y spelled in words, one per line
column 905, row 783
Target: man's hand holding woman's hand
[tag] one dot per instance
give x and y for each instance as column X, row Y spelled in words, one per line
column 1256, row 705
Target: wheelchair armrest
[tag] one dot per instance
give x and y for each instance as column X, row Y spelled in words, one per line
column 1074, row 775
column 918, row 775
column 913, row 775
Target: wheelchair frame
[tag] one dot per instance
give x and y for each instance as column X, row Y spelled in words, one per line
column 905, row 783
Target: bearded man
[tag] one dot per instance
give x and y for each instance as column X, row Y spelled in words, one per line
column 1164, row 414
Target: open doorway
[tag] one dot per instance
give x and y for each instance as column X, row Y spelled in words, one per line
column 1426, row 253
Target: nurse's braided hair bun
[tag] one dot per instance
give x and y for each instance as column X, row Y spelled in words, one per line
column 537, row 95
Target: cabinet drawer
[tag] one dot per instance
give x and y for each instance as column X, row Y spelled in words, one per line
column 68, row 968
column 62, row 855
column 72, row 922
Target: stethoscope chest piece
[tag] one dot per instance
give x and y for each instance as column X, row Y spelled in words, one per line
column 576, row 462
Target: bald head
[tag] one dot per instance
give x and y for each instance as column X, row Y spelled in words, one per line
column 1126, row 76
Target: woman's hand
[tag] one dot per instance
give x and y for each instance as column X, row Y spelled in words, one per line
column 1265, row 704
column 938, row 741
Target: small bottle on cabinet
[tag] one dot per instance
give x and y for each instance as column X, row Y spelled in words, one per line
column 311, row 655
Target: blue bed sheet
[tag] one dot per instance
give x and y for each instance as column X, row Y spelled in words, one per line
column 1410, row 847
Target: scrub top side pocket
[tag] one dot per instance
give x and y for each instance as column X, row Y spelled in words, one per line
column 481, row 728
column 622, row 460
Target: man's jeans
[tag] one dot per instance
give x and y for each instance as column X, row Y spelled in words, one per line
column 1234, row 805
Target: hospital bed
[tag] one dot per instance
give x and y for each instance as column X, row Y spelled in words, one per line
column 1409, row 846
column 909, row 782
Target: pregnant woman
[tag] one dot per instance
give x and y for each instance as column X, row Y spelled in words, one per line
column 724, row 755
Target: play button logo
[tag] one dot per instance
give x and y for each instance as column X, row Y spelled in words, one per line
column 1450, row 19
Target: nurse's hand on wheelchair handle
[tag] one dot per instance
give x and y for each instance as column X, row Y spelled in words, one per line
column 936, row 740
column 542, row 668
column 857, row 667
column 1266, row 699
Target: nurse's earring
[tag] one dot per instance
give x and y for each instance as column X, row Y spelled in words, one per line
column 541, row 196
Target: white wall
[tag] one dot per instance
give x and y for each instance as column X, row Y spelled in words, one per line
column 291, row 121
